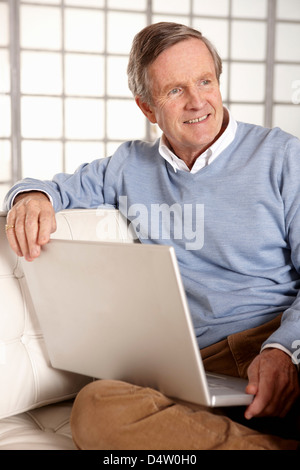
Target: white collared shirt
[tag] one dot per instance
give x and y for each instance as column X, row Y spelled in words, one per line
column 206, row 157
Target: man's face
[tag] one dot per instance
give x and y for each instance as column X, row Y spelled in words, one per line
column 186, row 99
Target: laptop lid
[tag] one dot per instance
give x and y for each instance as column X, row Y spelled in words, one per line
column 119, row 311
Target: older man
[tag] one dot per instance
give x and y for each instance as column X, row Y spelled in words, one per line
column 242, row 282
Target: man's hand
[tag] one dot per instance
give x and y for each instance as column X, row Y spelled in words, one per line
column 30, row 222
column 273, row 379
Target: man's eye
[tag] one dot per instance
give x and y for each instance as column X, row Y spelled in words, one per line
column 175, row 91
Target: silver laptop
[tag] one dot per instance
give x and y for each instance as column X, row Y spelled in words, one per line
column 119, row 311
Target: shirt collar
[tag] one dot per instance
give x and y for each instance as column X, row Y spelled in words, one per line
column 206, row 157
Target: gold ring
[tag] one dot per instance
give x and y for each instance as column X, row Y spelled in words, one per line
column 9, row 226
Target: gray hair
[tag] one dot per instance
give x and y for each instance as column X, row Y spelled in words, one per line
column 152, row 41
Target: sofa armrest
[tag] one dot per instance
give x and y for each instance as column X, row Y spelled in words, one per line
column 95, row 225
column 26, row 377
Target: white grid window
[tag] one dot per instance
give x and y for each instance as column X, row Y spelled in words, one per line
column 5, row 101
column 64, row 97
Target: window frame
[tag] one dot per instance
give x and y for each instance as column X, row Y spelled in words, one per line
column 16, row 139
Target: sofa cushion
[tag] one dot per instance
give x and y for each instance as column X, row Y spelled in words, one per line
column 46, row 428
column 26, row 377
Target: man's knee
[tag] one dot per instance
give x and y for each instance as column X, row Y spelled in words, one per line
column 104, row 409
column 83, row 414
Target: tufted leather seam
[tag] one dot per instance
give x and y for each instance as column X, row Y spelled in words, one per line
column 25, row 323
column 8, row 276
column 13, row 418
column 36, row 421
column 68, row 224
column 43, row 428
column 38, row 426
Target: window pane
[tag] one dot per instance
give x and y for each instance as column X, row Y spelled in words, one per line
column 40, row 27
column 243, row 44
column 288, row 9
column 224, row 82
column 82, row 152
column 287, row 83
column 247, row 82
column 173, row 6
column 128, row 5
column 86, row 3
column 251, row 113
column 155, row 132
column 41, row 117
column 84, row 119
column 253, row 9
column 211, row 8
column 4, row 72
column 125, row 121
column 216, row 31
column 5, row 160
column 4, row 188
column 288, row 118
column 176, row 18
column 4, row 29
column 41, row 73
column 84, row 75
column 287, row 47
column 112, row 147
column 41, row 160
column 84, row 30
column 5, row 116
column 129, row 24
column 117, row 83
column 52, row 2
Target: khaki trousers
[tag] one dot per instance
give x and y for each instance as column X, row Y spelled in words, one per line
column 114, row 415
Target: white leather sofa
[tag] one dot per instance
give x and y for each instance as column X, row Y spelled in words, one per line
column 36, row 399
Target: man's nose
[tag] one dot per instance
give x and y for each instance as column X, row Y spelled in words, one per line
column 195, row 97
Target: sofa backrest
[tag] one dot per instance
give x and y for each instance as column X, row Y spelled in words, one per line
column 27, row 379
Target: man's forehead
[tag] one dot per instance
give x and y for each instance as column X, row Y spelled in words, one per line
column 182, row 63
column 182, row 55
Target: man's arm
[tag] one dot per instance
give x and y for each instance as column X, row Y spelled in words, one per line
column 32, row 204
column 274, row 380
column 30, row 222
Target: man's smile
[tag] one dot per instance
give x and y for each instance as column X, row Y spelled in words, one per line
column 195, row 121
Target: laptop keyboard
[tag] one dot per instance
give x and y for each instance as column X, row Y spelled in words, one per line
column 218, row 383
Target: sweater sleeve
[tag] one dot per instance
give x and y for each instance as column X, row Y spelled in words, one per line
column 83, row 189
column 288, row 334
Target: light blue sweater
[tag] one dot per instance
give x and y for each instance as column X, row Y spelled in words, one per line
column 237, row 224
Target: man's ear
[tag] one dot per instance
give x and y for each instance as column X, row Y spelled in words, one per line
column 146, row 109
